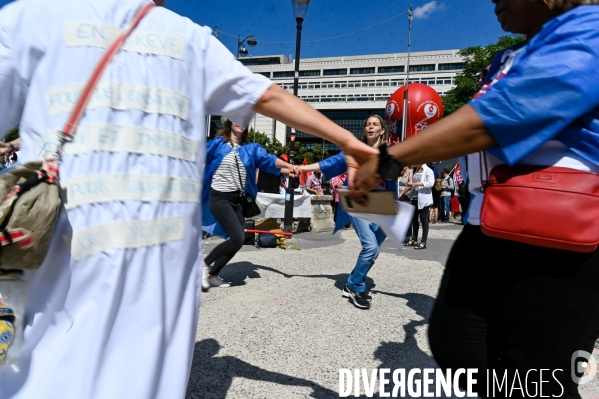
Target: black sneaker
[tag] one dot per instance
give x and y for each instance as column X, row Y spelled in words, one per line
column 360, row 300
column 346, row 291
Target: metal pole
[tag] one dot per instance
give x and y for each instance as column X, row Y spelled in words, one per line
column 238, row 45
column 405, row 94
column 289, row 196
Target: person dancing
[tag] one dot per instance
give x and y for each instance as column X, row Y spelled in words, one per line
column 506, row 305
column 229, row 160
column 370, row 234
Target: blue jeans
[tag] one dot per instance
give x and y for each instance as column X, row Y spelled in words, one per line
column 446, row 208
column 371, row 237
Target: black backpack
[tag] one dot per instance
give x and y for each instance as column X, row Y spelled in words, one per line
column 267, row 240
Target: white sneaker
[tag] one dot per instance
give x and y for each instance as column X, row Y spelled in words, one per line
column 218, row 282
column 205, row 283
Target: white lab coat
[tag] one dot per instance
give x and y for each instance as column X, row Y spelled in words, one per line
column 113, row 310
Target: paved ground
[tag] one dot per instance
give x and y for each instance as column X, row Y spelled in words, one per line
column 284, row 331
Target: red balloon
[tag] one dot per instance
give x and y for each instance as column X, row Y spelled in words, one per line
column 424, row 107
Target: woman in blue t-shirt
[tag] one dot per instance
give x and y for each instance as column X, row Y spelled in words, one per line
column 505, row 305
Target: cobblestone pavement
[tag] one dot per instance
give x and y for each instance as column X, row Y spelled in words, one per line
column 283, row 330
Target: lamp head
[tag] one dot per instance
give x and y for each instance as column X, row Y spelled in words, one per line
column 243, row 50
column 251, row 41
column 300, row 8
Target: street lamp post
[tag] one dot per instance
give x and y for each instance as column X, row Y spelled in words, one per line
column 250, row 40
column 404, row 128
column 300, row 9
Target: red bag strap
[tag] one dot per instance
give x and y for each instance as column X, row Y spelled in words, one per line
column 67, row 132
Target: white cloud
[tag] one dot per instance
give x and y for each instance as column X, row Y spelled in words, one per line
column 426, row 10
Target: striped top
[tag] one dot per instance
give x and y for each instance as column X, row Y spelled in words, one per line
column 226, row 177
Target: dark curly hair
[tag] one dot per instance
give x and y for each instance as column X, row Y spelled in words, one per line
column 568, row 4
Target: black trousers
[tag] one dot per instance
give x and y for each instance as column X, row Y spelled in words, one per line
column 226, row 208
column 514, row 308
column 423, row 215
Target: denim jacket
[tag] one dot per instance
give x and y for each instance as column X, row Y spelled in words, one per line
column 252, row 155
column 335, row 166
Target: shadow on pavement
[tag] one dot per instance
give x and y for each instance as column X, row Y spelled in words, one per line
column 211, row 375
column 407, row 354
column 238, row 272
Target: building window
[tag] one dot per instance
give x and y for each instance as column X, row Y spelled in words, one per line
column 451, row 66
column 267, row 74
column 392, row 69
column 397, row 82
column 368, row 83
column 421, row 68
column 354, row 83
column 283, row 74
column 414, row 80
column 340, row 85
column 309, row 73
column 361, row 71
column 428, row 82
column 382, row 83
column 331, row 72
column 381, row 97
column 448, row 81
column 262, row 61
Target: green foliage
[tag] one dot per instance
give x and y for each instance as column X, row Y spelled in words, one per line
column 476, row 61
column 313, row 155
column 275, row 147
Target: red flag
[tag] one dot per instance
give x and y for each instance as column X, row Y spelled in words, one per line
column 457, row 177
column 304, row 175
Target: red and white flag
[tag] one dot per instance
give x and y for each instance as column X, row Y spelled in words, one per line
column 457, row 178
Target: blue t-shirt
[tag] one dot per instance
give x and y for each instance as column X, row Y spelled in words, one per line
column 550, row 90
column 541, row 101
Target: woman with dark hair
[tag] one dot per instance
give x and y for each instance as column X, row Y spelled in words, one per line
column 504, row 305
column 229, row 160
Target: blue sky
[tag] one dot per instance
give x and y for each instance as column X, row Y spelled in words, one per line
column 439, row 25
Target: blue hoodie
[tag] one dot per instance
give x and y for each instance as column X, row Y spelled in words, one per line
column 252, row 155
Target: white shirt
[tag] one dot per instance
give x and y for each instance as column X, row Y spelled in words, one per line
column 425, row 193
column 112, row 312
column 230, row 175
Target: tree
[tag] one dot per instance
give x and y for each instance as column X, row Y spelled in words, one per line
column 312, row 155
column 476, row 61
column 275, row 147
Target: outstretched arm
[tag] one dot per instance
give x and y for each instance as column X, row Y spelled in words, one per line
column 277, row 103
column 313, row 167
column 287, row 168
column 462, row 132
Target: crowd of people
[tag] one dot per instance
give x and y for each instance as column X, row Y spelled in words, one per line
column 131, row 302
